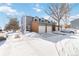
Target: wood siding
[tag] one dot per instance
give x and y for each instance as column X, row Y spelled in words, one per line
column 35, row 26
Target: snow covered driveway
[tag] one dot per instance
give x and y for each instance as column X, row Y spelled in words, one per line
column 27, row 46
column 34, row 44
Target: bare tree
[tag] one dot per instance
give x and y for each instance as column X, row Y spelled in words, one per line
column 58, row 11
column 12, row 25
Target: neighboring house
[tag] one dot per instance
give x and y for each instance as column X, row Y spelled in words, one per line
column 26, row 23
column 75, row 24
column 23, row 24
column 36, row 24
column 29, row 20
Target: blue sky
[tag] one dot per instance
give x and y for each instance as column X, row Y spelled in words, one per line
column 20, row 9
column 32, row 9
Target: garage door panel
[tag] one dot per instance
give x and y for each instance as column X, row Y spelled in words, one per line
column 49, row 28
column 41, row 29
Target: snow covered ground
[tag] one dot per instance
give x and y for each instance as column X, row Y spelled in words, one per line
column 41, row 44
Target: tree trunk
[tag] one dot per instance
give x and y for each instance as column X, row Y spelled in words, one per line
column 46, row 28
column 58, row 25
column 53, row 28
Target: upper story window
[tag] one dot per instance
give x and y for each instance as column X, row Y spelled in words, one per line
column 48, row 21
column 35, row 19
column 42, row 20
column 39, row 19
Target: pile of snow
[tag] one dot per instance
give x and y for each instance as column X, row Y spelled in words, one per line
column 12, row 35
column 69, row 46
column 77, row 31
column 32, row 34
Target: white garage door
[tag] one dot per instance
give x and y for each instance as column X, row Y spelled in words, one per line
column 49, row 28
column 41, row 29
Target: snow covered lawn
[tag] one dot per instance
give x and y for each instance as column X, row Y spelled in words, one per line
column 41, row 44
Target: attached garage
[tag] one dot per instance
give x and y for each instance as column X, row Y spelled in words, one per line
column 37, row 27
column 41, row 29
column 49, row 28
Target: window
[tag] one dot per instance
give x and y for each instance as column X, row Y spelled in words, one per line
column 48, row 21
column 35, row 19
column 39, row 19
column 42, row 20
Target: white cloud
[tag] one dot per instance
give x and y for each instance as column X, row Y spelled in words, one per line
column 37, row 9
column 8, row 10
